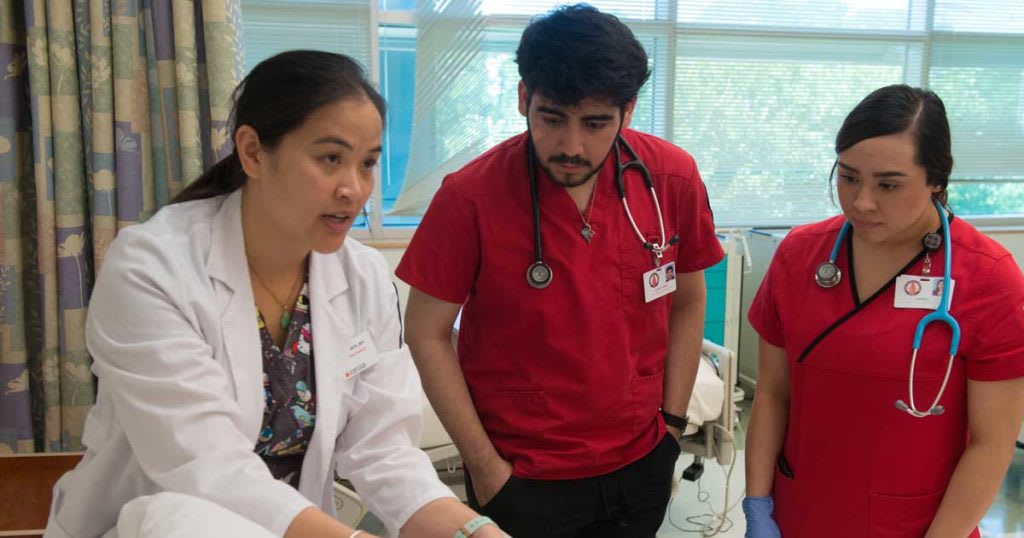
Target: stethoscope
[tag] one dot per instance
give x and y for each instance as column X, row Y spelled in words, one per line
column 538, row 274
column 828, row 275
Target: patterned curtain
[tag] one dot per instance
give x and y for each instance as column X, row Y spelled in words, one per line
column 107, row 109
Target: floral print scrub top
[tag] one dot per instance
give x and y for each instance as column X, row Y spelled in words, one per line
column 289, row 389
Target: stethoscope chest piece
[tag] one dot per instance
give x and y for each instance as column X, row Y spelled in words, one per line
column 828, row 275
column 538, row 275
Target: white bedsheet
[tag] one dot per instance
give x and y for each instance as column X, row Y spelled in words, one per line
column 175, row 515
column 707, row 397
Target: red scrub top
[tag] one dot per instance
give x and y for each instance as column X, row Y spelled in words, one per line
column 567, row 380
column 853, row 465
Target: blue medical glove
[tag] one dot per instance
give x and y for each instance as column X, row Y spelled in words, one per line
column 760, row 523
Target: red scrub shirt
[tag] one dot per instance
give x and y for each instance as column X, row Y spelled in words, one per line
column 853, row 465
column 567, row 380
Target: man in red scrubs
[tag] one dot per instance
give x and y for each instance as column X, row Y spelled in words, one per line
column 571, row 357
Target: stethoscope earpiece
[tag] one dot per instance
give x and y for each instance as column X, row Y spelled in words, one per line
column 828, row 275
column 934, row 411
column 539, row 275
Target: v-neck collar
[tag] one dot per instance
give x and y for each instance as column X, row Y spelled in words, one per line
column 858, row 305
column 853, row 275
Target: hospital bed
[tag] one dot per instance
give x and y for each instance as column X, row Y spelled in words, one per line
column 712, row 412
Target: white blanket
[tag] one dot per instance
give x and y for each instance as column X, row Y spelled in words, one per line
column 175, row 515
column 707, row 397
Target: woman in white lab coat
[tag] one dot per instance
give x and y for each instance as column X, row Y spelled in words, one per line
column 245, row 349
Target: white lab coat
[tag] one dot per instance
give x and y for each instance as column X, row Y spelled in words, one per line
column 172, row 330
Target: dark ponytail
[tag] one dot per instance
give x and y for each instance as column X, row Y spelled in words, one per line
column 274, row 99
column 224, row 177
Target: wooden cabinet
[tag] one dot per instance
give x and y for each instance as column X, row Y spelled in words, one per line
column 26, row 489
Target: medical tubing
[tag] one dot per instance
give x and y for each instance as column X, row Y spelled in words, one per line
column 633, row 223
column 620, row 173
column 661, row 223
column 661, row 219
column 724, row 522
column 949, row 256
column 619, row 170
column 940, row 315
column 531, row 166
column 910, row 382
column 839, row 241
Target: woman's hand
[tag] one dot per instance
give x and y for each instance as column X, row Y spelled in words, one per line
column 760, row 524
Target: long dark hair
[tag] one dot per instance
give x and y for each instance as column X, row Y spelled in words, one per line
column 275, row 98
column 900, row 108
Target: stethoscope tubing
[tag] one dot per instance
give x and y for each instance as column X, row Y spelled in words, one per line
column 940, row 315
column 539, row 267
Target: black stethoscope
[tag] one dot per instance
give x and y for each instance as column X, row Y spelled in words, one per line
column 538, row 274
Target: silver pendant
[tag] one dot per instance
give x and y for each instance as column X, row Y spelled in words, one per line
column 587, row 232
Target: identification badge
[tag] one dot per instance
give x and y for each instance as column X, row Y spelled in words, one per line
column 923, row 292
column 361, row 355
column 660, row 281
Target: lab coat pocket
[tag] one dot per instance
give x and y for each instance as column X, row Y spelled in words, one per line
column 903, row 516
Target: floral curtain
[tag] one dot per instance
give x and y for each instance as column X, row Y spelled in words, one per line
column 107, row 109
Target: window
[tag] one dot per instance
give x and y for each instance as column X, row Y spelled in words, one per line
column 754, row 89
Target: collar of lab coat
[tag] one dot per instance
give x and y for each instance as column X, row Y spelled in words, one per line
column 227, row 261
column 328, row 285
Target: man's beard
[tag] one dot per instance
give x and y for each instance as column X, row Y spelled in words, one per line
column 570, row 180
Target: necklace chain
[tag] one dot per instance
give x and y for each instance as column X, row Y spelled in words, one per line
column 285, row 309
column 587, row 231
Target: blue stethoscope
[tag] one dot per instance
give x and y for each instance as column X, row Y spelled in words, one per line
column 828, row 275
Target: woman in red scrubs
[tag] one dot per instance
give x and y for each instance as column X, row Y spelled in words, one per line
column 829, row 451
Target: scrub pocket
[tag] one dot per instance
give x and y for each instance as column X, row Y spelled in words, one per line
column 647, row 392
column 898, row 516
column 784, row 495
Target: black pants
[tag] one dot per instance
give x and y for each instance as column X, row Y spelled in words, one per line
column 629, row 502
